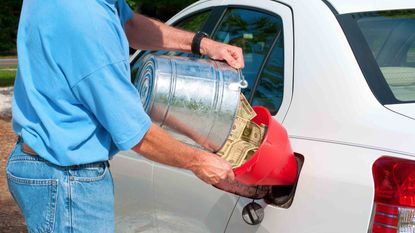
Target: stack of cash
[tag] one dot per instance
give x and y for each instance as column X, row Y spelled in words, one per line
column 245, row 136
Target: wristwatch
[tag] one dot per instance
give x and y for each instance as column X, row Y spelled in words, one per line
column 196, row 42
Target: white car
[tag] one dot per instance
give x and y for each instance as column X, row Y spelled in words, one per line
column 339, row 75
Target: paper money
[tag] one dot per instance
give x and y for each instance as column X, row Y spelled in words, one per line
column 249, row 155
column 263, row 128
column 248, row 151
column 245, row 136
column 237, row 152
column 252, row 134
column 245, row 110
column 238, row 128
column 225, row 147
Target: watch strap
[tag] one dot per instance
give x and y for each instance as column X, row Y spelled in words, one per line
column 196, row 42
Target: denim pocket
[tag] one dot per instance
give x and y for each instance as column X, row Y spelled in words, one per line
column 89, row 173
column 34, row 191
column 37, row 200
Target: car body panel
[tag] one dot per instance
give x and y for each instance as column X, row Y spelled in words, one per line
column 186, row 204
column 334, row 113
column 405, row 109
column 334, row 192
column 134, row 193
column 194, row 206
column 333, row 120
column 350, row 6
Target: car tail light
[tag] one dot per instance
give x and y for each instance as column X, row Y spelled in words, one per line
column 394, row 207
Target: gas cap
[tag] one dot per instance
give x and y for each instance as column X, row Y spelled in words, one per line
column 253, row 213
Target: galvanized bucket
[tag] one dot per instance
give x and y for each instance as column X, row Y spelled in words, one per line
column 192, row 98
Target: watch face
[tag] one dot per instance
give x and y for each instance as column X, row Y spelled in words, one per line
column 205, row 34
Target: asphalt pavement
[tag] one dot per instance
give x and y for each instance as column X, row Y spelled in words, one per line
column 8, row 61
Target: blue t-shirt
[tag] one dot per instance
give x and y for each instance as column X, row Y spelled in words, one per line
column 73, row 100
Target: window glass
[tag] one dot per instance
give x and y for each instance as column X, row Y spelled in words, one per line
column 193, row 23
column 254, row 32
column 270, row 88
column 391, row 38
column 376, row 36
column 410, row 56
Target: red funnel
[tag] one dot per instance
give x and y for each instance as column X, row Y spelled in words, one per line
column 274, row 162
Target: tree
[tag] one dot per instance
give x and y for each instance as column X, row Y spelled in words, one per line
column 9, row 20
column 160, row 9
column 10, row 11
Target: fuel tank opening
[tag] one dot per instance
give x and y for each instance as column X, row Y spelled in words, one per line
column 279, row 195
column 283, row 195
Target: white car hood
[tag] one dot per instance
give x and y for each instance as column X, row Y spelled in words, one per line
column 404, row 109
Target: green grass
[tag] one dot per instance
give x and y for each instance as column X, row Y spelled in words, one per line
column 7, row 77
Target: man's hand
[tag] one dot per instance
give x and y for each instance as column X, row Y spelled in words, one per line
column 212, row 169
column 220, row 51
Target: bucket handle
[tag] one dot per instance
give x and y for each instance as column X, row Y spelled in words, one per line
column 242, row 83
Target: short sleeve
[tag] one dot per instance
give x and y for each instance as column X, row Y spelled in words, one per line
column 124, row 11
column 109, row 95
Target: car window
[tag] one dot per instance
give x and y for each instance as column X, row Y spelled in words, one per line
column 254, row 32
column 391, row 38
column 193, row 23
column 410, row 56
column 377, row 35
column 270, row 88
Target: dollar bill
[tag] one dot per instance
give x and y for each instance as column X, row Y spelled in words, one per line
column 245, row 110
column 245, row 136
column 234, row 152
column 248, row 150
column 252, row 134
column 223, row 151
column 237, row 152
column 238, row 127
column 249, row 155
column 263, row 131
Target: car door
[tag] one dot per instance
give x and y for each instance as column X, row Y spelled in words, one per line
column 273, row 89
column 183, row 202
column 134, row 193
column 133, row 174
column 135, row 189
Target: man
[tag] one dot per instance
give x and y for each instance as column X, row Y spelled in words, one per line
column 74, row 108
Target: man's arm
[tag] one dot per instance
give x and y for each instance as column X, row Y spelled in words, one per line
column 159, row 146
column 148, row 34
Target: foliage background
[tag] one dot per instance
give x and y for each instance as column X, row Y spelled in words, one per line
column 9, row 18
column 10, row 11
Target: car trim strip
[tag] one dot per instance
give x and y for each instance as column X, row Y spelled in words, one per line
column 213, row 20
column 331, row 7
column 351, row 144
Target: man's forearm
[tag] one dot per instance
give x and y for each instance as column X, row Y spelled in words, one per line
column 149, row 34
column 159, row 146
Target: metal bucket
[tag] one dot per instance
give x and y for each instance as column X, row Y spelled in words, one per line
column 193, row 98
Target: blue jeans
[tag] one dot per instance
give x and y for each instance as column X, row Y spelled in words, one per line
column 61, row 199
